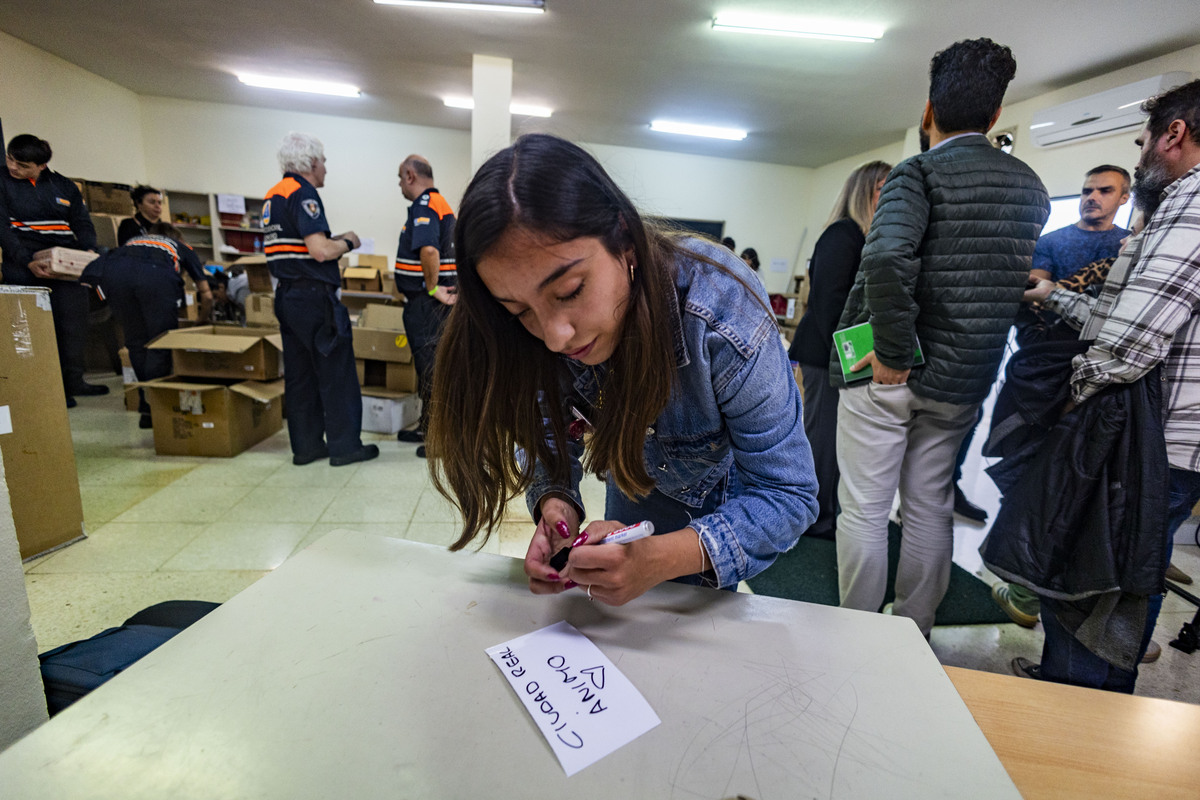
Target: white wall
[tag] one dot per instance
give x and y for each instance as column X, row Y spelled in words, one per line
column 93, row 125
column 210, row 147
column 1062, row 168
column 763, row 205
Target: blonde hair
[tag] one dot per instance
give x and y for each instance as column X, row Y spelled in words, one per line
column 857, row 198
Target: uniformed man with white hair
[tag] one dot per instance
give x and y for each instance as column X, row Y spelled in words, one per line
column 324, row 404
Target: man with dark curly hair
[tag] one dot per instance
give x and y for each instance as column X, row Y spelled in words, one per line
column 944, row 266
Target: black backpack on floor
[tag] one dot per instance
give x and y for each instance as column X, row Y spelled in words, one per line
column 72, row 670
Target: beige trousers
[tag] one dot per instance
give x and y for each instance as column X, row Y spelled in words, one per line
column 890, row 438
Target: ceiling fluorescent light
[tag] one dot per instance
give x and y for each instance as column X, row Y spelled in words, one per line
column 300, row 85
column 825, row 29
column 512, row 6
column 688, row 129
column 520, row 109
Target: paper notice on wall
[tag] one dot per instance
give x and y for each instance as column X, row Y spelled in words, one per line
column 779, row 265
column 584, row 707
column 231, row 204
column 5, row 420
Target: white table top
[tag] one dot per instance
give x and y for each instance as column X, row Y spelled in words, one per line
column 357, row 670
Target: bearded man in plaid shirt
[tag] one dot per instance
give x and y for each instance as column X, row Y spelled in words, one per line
column 1148, row 314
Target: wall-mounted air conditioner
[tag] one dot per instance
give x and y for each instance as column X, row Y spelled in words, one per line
column 1100, row 114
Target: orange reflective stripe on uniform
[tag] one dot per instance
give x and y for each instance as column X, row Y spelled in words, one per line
column 285, row 248
column 285, row 188
column 443, row 266
column 439, row 205
column 161, row 245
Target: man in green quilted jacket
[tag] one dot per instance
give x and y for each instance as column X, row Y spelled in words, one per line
column 943, row 271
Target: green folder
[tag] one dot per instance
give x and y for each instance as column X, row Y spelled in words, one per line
column 854, row 343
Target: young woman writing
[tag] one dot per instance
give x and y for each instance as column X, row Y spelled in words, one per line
column 585, row 340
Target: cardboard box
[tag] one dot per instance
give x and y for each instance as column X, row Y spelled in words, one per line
column 257, row 273
column 362, row 279
column 190, row 309
column 260, row 310
column 203, row 418
column 64, row 263
column 379, row 263
column 385, row 376
column 381, row 345
column 131, row 398
column 386, row 412
column 382, row 317
column 106, row 226
column 379, row 335
column 35, row 435
column 109, row 198
column 211, row 351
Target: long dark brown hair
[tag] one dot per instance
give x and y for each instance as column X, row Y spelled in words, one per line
column 497, row 404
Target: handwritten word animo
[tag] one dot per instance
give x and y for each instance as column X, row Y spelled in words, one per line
column 595, row 675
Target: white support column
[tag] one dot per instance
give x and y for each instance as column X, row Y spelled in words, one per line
column 491, row 122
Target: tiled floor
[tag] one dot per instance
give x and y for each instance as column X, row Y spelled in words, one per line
column 168, row 528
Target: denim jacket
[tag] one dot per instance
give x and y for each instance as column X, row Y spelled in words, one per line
column 735, row 413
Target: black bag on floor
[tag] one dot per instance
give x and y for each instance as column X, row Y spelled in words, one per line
column 72, row 670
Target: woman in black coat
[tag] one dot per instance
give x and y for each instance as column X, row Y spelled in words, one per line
column 831, row 274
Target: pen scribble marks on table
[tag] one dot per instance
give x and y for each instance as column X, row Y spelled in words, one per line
column 791, row 727
column 471, row 605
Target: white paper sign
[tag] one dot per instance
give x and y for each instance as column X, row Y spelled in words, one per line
column 231, row 204
column 578, row 699
column 5, row 420
column 779, row 265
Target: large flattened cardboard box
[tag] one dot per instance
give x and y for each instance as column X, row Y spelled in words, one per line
column 198, row 417
column 35, row 435
column 217, row 351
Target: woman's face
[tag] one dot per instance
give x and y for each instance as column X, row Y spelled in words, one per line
column 875, row 196
column 572, row 295
column 151, row 206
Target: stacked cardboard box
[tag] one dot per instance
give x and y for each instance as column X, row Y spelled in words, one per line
column 226, row 393
column 35, row 436
column 106, row 226
column 260, row 310
column 108, row 198
column 63, row 262
column 385, row 370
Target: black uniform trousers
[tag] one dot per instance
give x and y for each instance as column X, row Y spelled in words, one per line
column 324, row 404
column 145, row 300
column 424, row 318
column 69, row 305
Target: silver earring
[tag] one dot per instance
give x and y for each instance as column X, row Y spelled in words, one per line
column 631, row 271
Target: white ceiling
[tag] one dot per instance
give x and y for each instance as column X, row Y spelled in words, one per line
column 607, row 67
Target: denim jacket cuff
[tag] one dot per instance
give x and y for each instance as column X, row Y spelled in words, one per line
column 538, row 492
column 727, row 557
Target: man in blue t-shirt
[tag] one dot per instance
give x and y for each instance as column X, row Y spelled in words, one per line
column 1061, row 253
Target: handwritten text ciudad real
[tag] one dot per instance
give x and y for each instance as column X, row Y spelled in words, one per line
column 585, row 682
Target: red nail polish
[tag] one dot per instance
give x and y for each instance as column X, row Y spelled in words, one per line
column 553, row 576
column 580, row 539
column 562, row 529
column 570, row 585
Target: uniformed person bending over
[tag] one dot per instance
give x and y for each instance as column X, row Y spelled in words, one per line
column 324, row 405
column 39, row 209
